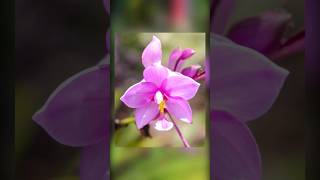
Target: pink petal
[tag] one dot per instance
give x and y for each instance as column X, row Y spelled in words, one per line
column 138, row 95
column 234, row 152
column 180, row 109
column 243, row 82
column 155, row 74
column 146, row 114
column 94, row 162
column 178, row 85
column 152, row 54
column 163, row 125
column 77, row 112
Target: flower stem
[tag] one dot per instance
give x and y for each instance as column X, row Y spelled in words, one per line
column 183, row 139
column 125, row 121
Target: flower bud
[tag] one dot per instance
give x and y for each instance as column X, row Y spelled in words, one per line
column 177, row 57
column 186, row 53
column 191, row 71
column 174, row 58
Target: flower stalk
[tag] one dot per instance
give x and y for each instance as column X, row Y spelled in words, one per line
column 183, row 139
column 125, row 121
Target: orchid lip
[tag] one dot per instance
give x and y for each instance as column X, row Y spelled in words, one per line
column 163, row 125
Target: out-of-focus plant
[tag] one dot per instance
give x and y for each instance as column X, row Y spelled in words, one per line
column 243, row 86
column 249, row 86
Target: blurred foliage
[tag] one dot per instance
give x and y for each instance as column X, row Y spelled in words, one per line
column 155, row 15
column 159, row 164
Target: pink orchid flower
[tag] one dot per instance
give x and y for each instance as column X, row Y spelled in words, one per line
column 161, row 91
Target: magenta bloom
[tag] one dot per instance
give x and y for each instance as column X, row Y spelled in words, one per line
column 161, row 91
column 269, row 32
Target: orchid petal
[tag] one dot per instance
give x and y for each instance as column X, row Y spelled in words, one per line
column 180, row 109
column 163, row 125
column 76, row 113
column 263, row 33
column 94, row 162
column 234, row 151
column 146, row 114
column 243, row 82
column 178, row 85
column 152, row 54
column 155, row 74
column 139, row 94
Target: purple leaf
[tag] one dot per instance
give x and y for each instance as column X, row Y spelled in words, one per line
column 77, row 112
column 234, row 151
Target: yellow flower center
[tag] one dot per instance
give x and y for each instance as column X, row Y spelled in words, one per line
column 162, row 105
